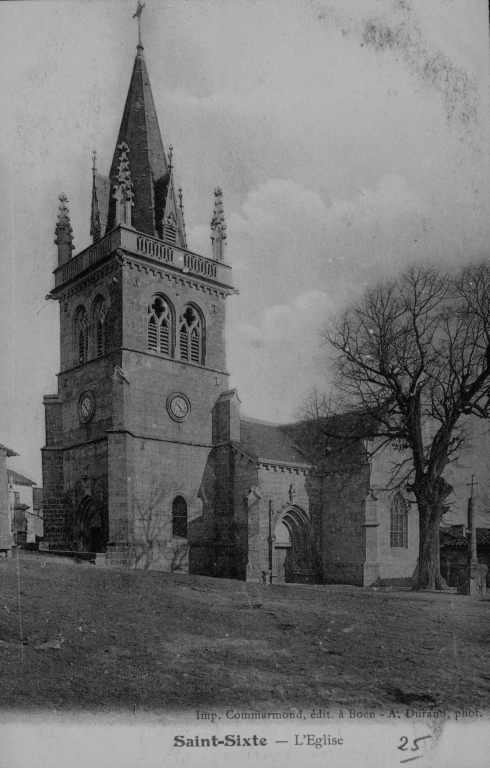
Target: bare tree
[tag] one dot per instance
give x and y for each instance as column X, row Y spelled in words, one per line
column 413, row 359
column 151, row 535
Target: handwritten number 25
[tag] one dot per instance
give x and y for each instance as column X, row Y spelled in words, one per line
column 404, row 741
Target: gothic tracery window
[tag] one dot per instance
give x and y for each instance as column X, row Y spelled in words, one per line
column 81, row 335
column 160, row 326
column 179, row 517
column 101, row 327
column 191, row 336
column 399, row 522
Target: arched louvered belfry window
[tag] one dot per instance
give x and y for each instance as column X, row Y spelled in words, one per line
column 191, row 335
column 81, row 335
column 179, row 517
column 399, row 522
column 170, row 230
column 160, row 326
column 101, row 326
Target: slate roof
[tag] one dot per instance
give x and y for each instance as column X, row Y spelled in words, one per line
column 334, row 442
column 18, row 479
column 147, row 161
column 268, row 442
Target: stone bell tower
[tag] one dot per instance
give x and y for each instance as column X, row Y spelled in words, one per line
column 142, row 319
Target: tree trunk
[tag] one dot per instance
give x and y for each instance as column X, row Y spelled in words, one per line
column 429, row 553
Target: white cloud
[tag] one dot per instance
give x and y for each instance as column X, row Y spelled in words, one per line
column 289, row 240
column 312, row 257
column 277, row 360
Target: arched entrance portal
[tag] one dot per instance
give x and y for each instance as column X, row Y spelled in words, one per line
column 281, row 564
column 91, row 536
column 291, row 551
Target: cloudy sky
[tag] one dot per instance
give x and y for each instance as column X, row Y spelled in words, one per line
column 349, row 137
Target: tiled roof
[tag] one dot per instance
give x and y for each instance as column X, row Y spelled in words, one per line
column 10, row 452
column 456, row 541
column 18, row 479
column 483, row 537
column 449, row 539
column 269, row 442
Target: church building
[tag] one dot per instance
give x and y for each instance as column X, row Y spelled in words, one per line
column 148, row 461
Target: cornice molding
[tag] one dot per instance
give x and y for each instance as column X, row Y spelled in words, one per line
column 133, row 262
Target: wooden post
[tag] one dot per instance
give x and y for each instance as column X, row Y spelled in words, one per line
column 270, row 542
column 476, row 575
column 473, row 555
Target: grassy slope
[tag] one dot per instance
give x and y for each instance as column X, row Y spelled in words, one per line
column 159, row 641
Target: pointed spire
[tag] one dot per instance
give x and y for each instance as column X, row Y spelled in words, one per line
column 95, row 222
column 64, row 232
column 140, row 131
column 218, row 226
column 123, row 188
column 154, row 206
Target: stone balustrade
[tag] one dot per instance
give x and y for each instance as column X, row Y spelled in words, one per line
column 150, row 248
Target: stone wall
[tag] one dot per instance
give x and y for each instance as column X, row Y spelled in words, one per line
column 131, row 451
column 151, row 380
column 160, row 471
column 57, row 531
column 283, row 487
column 394, row 562
column 105, row 282
column 141, row 282
column 85, row 477
column 344, row 534
column 249, row 509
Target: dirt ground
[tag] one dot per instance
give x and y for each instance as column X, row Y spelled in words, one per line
column 96, row 639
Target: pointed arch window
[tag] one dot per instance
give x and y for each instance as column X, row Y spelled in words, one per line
column 160, row 326
column 81, row 335
column 399, row 522
column 191, row 336
column 179, row 517
column 101, row 327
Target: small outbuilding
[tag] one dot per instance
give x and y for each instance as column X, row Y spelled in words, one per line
column 5, row 508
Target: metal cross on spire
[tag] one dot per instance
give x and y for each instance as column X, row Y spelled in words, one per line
column 472, row 485
column 137, row 15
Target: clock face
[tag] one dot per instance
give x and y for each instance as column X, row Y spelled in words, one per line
column 178, row 407
column 86, row 406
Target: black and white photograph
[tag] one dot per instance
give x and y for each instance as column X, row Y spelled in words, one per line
column 244, row 383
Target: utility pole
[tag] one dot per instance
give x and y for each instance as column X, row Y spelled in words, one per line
column 270, row 542
column 473, row 555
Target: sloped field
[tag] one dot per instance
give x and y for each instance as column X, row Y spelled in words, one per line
column 96, row 639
